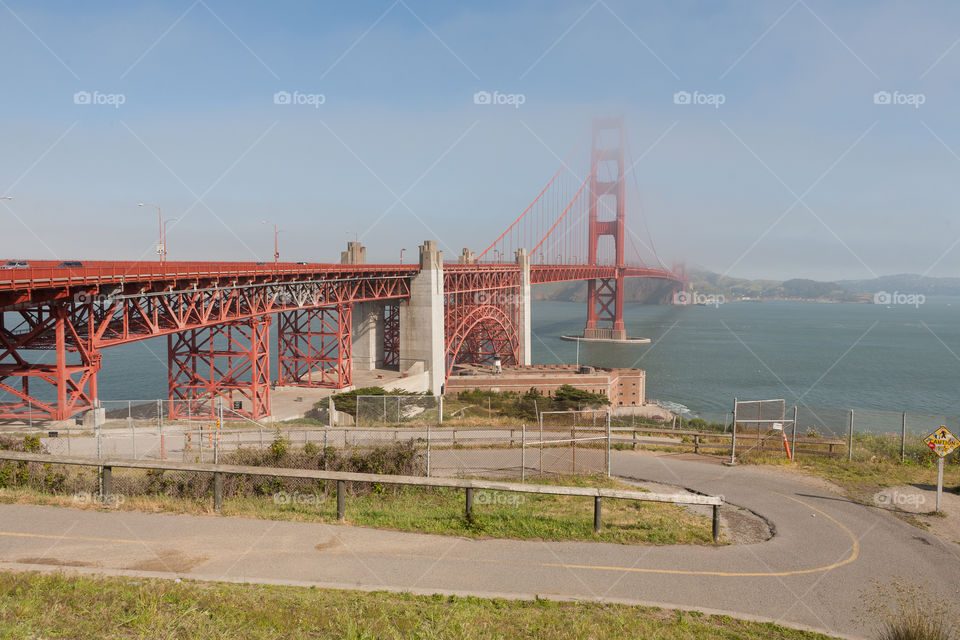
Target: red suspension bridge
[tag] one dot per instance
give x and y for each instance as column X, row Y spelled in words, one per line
column 425, row 317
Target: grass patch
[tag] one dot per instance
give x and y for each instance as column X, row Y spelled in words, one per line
column 862, row 477
column 437, row 510
column 52, row 605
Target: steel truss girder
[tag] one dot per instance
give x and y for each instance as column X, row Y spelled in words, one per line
column 137, row 317
column 391, row 335
column 315, row 347
column 215, row 363
column 46, row 328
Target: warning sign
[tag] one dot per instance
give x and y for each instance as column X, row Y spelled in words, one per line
column 942, row 442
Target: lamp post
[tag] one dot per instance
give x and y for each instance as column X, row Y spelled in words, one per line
column 161, row 249
column 276, row 249
column 165, row 223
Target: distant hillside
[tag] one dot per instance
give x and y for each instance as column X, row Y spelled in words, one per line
column 706, row 282
column 905, row 283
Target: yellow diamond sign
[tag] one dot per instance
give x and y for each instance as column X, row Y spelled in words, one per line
column 942, row 442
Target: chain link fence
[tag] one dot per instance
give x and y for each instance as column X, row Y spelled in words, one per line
column 387, row 410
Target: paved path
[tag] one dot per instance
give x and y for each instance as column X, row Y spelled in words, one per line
column 826, row 549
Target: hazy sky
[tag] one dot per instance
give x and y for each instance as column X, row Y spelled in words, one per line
column 798, row 173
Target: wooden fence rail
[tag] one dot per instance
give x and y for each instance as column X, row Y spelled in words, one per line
column 342, row 477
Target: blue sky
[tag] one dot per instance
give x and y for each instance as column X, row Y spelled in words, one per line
column 797, row 174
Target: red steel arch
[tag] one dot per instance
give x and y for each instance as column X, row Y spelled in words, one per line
column 479, row 334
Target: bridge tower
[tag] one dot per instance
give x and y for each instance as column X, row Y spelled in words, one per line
column 606, row 218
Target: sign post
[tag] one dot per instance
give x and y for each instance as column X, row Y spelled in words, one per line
column 941, row 442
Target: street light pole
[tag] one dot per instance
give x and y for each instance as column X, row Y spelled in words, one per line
column 165, row 233
column 276, row 248
column 161, row 248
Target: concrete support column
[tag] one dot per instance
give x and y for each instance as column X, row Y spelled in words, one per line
column 356, row 253
column 367, row 334
column 524, row 307
column 422, row 343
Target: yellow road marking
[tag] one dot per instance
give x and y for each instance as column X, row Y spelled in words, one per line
column 52, row 537
column 854, row 554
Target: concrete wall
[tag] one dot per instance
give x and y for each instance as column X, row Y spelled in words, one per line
column 623, row 387
column 367, row 336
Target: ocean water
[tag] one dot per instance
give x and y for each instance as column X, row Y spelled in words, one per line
column 861, row 356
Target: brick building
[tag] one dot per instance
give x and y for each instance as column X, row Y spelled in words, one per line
column 624, row 387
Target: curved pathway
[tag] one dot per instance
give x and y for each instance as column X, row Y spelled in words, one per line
column 825, row 550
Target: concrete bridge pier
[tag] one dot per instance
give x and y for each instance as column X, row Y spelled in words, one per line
column 367, row 332
column 524, row 310
column 422, row 342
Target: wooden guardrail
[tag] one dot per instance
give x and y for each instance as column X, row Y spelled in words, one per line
column 342, row 477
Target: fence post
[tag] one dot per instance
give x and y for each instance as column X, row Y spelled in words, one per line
column 597, row 506
column 793, row 437
column 850, row 439
column 733, row 435
column 341, row 497
column 217, row 491
column 540, row 415
column 903, row 438
column 608, row 445
column 523, row 451
column 469, row 505
column 106, row 482
column 759, row 418
column 696, row 443
column 428, row 449
column 573, row 448
column 440, row 410
column 716, row 523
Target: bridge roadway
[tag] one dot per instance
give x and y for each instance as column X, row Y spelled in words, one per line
column 825, row 552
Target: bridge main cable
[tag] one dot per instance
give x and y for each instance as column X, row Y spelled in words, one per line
column 563, row 166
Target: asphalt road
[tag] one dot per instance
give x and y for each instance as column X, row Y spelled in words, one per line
column 825, row 551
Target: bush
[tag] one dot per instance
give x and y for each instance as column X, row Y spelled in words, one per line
column 347, row 402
